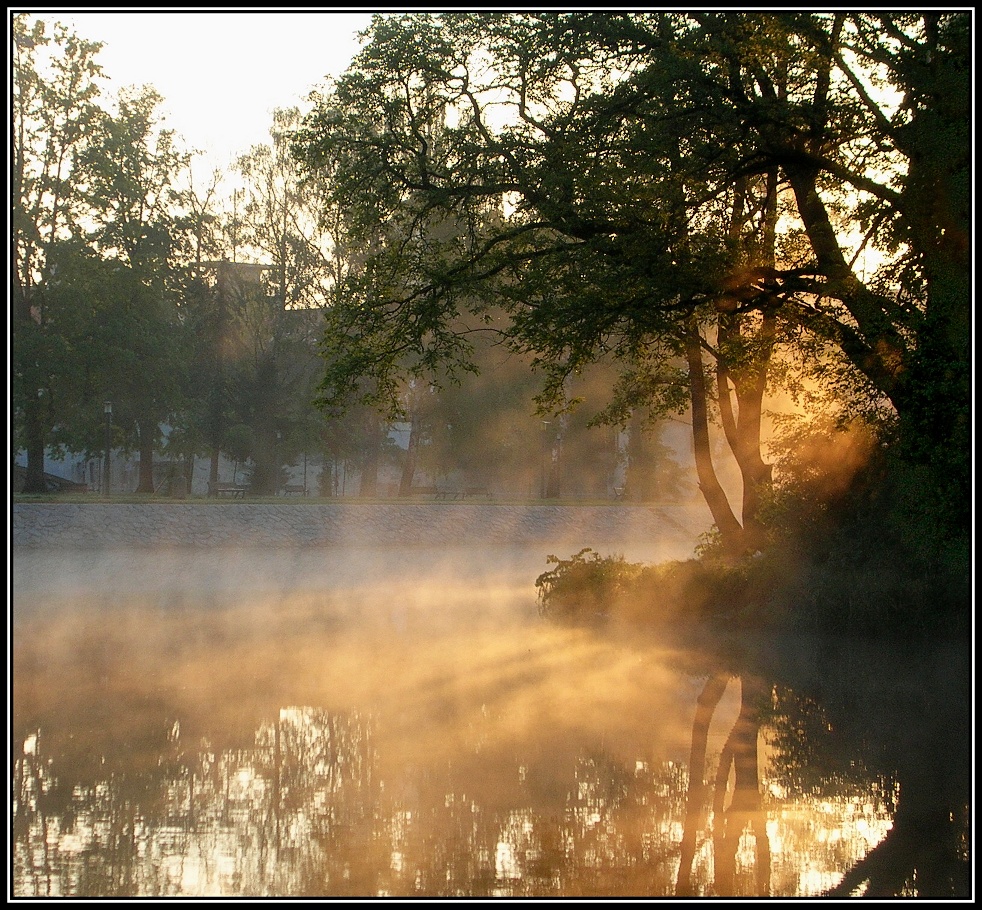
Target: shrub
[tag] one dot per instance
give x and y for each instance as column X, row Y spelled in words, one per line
column 589, row 588
column 584, row 587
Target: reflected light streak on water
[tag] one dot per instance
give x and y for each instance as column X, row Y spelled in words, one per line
column 410, row 734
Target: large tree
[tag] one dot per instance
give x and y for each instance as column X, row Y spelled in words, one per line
column 280, row 317
column 211, row 312
column 131, row 170
column 54, row 93
column 584, row 170
column 616, row 180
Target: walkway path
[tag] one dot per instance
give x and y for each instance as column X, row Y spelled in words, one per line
column 69, row 526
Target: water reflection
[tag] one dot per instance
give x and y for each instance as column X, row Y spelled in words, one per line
column 305, row 812
column 412, row 739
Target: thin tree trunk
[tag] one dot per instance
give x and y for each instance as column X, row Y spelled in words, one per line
column 713, row 492
column 368, row 486
column 213, row 471
column 743, row 429
column 639, row 485
column 409, row 465
column 695, row 798
column 34, row 476
column 189, row 472
column 147, row 441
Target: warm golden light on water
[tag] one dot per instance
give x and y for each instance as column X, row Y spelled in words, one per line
column 402, row 737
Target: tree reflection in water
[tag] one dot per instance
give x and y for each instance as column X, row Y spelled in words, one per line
column 900, row 710
column 827, row 781
column 304, row 811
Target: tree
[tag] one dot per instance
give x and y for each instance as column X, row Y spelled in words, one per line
column 210, row 314
column 130, row 170
column 214, row 311
column 54, row 95
column 280, row 316
column 441, row 248
column 480, row 430
column 576, row 203
column 419, row 406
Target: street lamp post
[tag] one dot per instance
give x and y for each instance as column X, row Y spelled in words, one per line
column 545, row 452
column 108, row 410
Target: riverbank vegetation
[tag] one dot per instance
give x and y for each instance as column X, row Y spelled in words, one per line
column 173, row 319
column 848, row 548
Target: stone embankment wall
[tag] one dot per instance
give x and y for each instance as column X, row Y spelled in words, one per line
column 66, row 526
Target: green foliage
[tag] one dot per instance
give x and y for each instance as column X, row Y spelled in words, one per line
column 858, row 539
column 54, row 92
column 584, row 587
column 238, row 442
column 96, row 253
column 717, row 594
column 809, row 756
column 130, row 169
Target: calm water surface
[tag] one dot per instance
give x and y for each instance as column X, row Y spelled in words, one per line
column 402, row 723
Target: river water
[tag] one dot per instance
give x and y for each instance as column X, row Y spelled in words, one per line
column 400, row 722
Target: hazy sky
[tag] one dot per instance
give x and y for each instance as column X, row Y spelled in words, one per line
column 221, row 73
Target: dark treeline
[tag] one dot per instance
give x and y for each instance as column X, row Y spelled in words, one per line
column 195, row 313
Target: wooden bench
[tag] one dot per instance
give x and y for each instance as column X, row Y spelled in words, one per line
column 236, row 491
column 463, row 493
column 294, row 489
column 420, row 491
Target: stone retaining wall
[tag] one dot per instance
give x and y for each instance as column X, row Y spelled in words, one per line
column 69, row 526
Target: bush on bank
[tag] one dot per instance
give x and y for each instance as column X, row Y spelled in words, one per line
column 592, row 589
column 869, row 561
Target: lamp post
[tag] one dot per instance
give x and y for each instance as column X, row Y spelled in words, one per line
column 545, row 451
column 107, row 408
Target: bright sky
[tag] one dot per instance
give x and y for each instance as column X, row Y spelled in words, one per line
column 221, row 73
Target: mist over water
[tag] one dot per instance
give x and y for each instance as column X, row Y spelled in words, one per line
column 360, row 721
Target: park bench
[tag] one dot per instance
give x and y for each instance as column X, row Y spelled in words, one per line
column 294, row 489
column 234, row 490
column 421, row 491
column 463, row 493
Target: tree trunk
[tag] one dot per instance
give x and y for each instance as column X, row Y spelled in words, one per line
column 34, row 475
column 148, row 439
column 706, row 704
column 729, row 527
column 213, row 471
column 265, row 463
column 936, row 411
column 640, row 482
column 189, row 472
column 877, row 349
column 743, row 429
column 409, row 465
column 554, row 483
column 749, row 376
column 368, row 486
